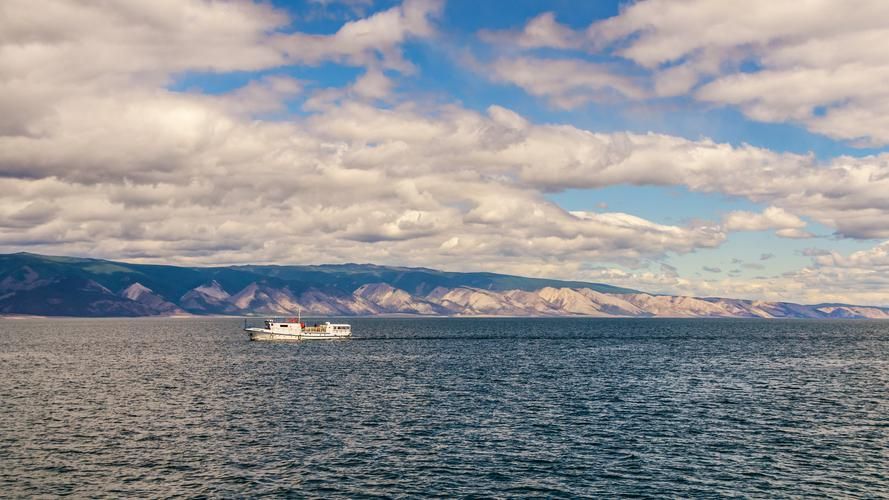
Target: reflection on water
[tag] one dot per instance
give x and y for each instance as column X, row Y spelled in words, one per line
column 505, row 407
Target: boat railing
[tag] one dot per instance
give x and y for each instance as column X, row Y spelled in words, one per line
column 262, row 321
column 283, row 320
column 320, row 326
column 315, row 326
column 315, row 329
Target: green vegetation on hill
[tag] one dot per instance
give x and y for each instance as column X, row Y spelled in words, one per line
column 416, row 280
column 52, row 285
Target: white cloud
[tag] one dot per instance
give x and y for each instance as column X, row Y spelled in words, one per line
column 541, row 31
column 374, row 40
column 786, row 224
column 77, row 42
column 184, row 177
column 565, row 82
column 876, row 258
column 65, row 51
column 373, row 84
column 812, row 63
column 817, row 65
column 861, row 277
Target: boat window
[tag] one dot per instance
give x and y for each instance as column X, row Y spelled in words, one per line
column 284, row 326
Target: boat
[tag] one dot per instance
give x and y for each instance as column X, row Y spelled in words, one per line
column 284, row 329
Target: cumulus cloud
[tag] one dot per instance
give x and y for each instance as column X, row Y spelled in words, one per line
column 876, row 257
column 566, row 83
column 786, row 224
column 813, row 65
column 541, row 31
column 861, row 277
column 372, row 40
column 775, row 61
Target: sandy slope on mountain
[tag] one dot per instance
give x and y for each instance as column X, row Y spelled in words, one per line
column 140, row 293
column 389, row 299
column 383, row 298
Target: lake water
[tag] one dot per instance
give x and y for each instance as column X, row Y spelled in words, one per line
column 449, row 407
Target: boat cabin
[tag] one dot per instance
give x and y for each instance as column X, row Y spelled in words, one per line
column 295, row 326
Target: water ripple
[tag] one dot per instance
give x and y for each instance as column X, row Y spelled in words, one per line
column 464, row 407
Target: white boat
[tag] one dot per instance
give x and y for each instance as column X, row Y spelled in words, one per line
column 294, row 329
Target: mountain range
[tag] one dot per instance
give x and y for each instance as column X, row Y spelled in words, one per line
column 32, row 284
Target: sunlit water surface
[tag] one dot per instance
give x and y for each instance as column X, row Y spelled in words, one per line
column 418, row 407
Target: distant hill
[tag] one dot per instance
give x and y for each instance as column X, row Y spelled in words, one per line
column 32, row 284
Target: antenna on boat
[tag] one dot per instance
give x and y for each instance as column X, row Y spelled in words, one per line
column 299, row 315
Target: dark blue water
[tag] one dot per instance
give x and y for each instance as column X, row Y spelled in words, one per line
column 449, row 407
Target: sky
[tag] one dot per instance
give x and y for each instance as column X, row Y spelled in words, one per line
column 734, row 149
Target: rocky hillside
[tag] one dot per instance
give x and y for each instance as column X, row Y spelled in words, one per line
column 63, row 286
